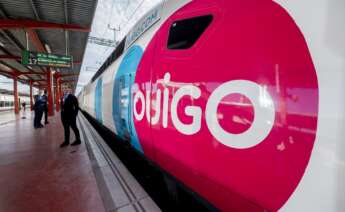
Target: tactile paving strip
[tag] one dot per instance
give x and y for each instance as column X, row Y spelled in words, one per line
column 118, row 188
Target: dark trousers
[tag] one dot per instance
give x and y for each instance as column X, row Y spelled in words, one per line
column 45, row 110
column 70, row 123
column 37, row 118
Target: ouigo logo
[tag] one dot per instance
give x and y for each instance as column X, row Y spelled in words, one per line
column 259, row 97
column 239, row 107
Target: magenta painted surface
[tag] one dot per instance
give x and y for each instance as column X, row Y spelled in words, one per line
column 247, row 40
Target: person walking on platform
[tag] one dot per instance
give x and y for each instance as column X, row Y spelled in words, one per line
column 44, row 100
column 38, row 112
column 24, row 106
column 69, row 113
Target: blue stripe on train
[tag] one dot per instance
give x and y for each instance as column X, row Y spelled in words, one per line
column 122, row 97
column 98, row 100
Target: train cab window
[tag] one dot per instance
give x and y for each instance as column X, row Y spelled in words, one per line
column 184, row 33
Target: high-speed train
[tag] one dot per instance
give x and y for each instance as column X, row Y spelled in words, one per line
column 7, row 101
column 241, row 101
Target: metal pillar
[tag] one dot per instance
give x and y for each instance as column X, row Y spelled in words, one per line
column 50, row 93
column 31, row 102
column 15, row 92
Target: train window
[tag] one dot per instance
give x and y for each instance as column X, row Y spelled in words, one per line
column 184, row 33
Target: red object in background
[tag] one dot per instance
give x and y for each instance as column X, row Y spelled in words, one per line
column 50, row 93
column 58, row 94
column 33, row 24
column 15, row 94
column 31, row 98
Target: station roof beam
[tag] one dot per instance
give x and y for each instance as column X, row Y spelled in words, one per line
column 56, row 27
column 32, row 24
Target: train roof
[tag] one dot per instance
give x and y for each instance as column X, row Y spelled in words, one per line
column 8, row 92
column 140, row 27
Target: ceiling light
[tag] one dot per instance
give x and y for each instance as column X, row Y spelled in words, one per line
column 4, row 67
column 48, row 48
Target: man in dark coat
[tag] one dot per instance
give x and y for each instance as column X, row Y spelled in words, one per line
column 38, row 112
column 69, row 112
column 44, row 100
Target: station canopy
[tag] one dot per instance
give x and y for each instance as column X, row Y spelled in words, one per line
column 58, row 27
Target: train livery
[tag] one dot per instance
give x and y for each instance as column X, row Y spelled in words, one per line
column 240, row 100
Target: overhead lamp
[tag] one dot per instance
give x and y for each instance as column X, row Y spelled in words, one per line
column 48, row 48
column 4, row 67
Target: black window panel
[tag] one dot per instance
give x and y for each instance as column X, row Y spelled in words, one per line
column 184, row 33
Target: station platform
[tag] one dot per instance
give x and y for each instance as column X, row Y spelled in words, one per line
column 9, row 116
column 37, row 175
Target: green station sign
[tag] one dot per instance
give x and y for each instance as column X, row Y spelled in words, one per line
column 44, row 59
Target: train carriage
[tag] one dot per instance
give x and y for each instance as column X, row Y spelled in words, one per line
column 7, row 101
column 240, row 100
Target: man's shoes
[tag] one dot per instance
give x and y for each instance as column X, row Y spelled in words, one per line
column 64, row 144
column 75, row 143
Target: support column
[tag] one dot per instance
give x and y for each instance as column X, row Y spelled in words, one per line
column 57, row 97
column 15, row 92
column 60, row 87
column 31, row 102
column 50, row 93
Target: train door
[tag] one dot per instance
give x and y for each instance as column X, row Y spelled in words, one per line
column 143, row 85
column 122, row 96
column 98, row 100
column 176, row 64
column 122, row 112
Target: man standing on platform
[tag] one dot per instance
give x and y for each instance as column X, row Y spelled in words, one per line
column 38, row 112
column 69, row 112
column 44, row 100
